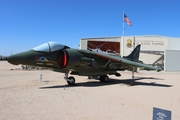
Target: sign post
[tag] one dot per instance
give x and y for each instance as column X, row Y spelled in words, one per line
column 40, row 77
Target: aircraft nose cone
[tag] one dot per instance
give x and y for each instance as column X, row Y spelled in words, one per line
column 12, row 59
column 17, row 59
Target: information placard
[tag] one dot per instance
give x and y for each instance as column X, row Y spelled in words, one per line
column 160, row 114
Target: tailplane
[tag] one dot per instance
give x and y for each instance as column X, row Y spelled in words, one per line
column 134, row 55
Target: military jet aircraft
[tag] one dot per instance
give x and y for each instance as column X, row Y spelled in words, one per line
column 62, row 58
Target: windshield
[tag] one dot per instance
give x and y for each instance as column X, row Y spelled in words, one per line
column 50, row 47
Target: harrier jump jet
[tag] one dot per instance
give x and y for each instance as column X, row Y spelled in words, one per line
column 62, row 58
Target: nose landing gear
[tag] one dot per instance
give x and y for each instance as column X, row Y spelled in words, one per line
column 70, row 80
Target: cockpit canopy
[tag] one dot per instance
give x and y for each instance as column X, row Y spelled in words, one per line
column 50, row 47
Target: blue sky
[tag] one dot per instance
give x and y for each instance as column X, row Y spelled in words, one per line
column 24, row 24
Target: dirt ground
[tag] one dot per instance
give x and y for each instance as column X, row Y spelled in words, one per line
column 23, row 96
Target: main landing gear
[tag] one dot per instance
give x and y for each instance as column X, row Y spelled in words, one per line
column 102, row 78
column 70, row 80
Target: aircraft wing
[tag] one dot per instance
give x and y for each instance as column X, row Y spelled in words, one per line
column 138, row 64
column 117, row 59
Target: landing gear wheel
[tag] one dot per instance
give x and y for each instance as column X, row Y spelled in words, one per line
column 71, row 80
column 89, row 77
column 104, row 78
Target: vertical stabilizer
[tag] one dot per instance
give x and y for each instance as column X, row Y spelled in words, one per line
column 134, row 55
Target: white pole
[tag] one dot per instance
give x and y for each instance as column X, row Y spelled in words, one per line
column 134, row 43
column 122, row 38
column 133, row 67
column 40, row 77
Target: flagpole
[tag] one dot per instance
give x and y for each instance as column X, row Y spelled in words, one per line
column 122, row 38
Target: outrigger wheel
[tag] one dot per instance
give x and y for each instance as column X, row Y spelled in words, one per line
column 71, row 80
column 104, row 78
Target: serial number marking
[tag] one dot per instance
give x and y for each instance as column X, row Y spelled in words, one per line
column 49, row 64
column 39, row 63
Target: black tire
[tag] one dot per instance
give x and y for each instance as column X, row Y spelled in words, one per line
column 72, row 81
column 104, row 78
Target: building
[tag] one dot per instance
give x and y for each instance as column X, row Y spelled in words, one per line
column 156, row 50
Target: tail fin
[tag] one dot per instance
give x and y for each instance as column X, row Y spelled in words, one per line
column 134, row 55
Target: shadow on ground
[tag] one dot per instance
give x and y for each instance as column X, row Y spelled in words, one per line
column 95, row 83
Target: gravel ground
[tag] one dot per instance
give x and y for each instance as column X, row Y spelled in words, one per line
column 23, row 96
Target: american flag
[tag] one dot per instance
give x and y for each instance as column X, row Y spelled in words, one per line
column 126, row 19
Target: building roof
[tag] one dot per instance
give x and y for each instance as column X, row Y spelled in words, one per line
column 128, row 36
